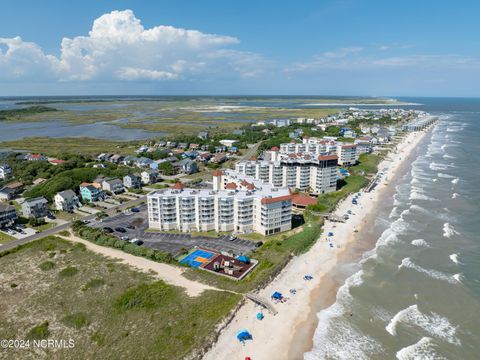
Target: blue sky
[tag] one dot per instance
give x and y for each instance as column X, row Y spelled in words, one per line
column 349, row 47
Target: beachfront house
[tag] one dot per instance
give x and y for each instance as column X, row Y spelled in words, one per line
column 203, row 135
column 5, row 171
column 8, row 215
column 35, row 208
column 67, row 201
column 90, row 193
column 132, row 181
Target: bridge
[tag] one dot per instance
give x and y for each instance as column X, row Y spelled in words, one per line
column 262, row 302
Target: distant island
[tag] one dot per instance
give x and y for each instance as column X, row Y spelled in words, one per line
column 15, row 113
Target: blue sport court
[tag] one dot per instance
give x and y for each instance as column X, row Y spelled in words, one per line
column 197, row 257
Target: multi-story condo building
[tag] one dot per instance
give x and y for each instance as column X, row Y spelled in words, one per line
column 307, row 172
column 253, row 207
column 347, row 154
column 8, row 215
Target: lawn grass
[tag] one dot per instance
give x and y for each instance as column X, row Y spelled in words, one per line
column 109, row 309
column 4, row 238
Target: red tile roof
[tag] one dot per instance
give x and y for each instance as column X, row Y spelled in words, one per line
column 178, row 186
column 217, row 173
column 349, row 146
column 231, row 186
column 328, row 157
column 275, row 148
column 277, row 199
column 303, row 200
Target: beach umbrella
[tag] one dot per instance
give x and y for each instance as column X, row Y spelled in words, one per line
column 276, row 295
column 259, row 316
column 244, row 259
column 243, row 335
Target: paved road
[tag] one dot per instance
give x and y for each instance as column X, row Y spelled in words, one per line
column 13, row 244
column 252, row 151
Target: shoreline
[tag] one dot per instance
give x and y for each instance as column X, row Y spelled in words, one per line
column 289, row 334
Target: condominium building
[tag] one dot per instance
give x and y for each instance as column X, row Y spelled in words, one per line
column 347, row 154
column 265, row 209
column 314, row 173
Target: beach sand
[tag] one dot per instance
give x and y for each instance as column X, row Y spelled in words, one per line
column 289, row 334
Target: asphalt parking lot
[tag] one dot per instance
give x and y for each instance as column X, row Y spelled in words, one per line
column 171, row 243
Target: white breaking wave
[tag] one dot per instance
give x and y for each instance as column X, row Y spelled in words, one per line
column 445, row 176
column 455, row 181
column 439, row 166
column 435, row 325
column 422, row 350
column 448, row 230
column 416, row 195
column 420, row 242
column 454, row 258
column 337, row 338
column 458, row 277
column 446, row 156
column 454, row 195
column 434, row 274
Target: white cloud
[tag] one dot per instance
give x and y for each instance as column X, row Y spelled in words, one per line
column 118, row 47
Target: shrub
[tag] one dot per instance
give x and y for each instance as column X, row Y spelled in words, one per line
column 38, row 332
column 68, row 271
column 76, row 320
column 46, row 265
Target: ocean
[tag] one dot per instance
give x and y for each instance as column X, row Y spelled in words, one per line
column 416, row 294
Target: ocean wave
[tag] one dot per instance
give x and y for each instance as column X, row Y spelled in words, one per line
column 435, row 325
column 454, row 195
column 423, row 349
column 445, row 176
column 446, row 156
column 455, row 181
column 454, row 258
column 417, row 195
column 393, row 213
column 449, row 231
column 458, row 277
column 434, row 274
column 420, row 242
column 439, row 166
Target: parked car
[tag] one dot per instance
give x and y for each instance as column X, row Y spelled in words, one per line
column 108, row 230
column 51, row 216
column 131, row 227
column 258, row 244
column 120, row 229
column 139, row 242
column 86, row 221
column 135, row 210
column 124, row 238
column 232, row 238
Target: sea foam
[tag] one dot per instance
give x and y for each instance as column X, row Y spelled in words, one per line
column 448, row 230
column 420, row 242
column 423, row 349
column 454, row 258
column 434, row 325
column 434, row 274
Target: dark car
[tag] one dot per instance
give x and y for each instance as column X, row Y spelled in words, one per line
column 108, row 230
column 130, row 227
column 51, row 216
column 120, row 229
column 135, row 210
column 138, row 242
column 258, row 244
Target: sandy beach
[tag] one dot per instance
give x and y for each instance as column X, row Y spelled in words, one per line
column 288, row 334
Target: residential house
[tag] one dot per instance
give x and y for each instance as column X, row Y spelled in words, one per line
column 205, row 157
column 15, row 187
column 162, row 143
column 129, row 160
column 56, row 161
column 35, row 157
column 5, row 171
column 188, row 166
column 35, row 208
column 194, row 146
column 149, row 176
column 143, row 162
column 219, row 158
column 132, row 181
column 114, row 186
column 220, row 149
column 90, row 193
column 6, row 194
column 238, row 132
column 66, row 201
column 116, row 159
column 203, row 135
column 228, row 143
column 102, row 157
column 8, row 215
column 183, row 145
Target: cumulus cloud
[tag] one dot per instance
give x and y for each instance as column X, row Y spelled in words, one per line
column 118, row 47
